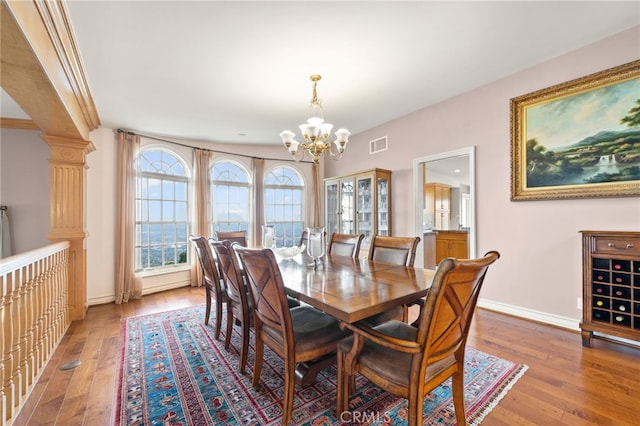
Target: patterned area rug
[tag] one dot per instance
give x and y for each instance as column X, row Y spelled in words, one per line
column 173, row 372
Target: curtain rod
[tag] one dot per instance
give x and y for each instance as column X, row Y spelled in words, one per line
column 207, row 149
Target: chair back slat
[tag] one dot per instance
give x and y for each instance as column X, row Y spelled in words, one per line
column 239, row 237
column 267, row 288
column 210, row 270
column 396, row 250
column 231, row 271
column 444, row 324
column 345, row 244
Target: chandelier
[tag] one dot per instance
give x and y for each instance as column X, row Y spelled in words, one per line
column 315, row 133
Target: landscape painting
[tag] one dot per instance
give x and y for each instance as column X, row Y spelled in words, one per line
column 578, row 139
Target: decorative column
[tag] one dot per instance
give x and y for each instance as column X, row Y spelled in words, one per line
column 67, row 166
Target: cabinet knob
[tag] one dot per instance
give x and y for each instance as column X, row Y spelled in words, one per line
column 613, row 245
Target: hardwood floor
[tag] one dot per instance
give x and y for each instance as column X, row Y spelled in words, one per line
column 565, row 384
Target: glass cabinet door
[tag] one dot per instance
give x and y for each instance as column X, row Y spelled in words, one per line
column 347, row 206
column 365, row 209
column 332, row 208
column 383, row 206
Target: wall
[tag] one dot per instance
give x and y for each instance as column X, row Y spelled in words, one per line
column 24, row 187
column 101, row 210
column 539, row 273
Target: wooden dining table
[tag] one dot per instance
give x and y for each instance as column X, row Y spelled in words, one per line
column 350, row 290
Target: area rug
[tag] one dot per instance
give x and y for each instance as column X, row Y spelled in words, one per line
column 173, row 372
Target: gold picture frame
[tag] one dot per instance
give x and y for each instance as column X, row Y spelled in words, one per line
column 578, row 139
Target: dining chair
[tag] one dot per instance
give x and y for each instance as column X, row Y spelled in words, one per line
column 398, row 251
column 345, row 244
column 239, row 237
column 214, row 286
column 240, row 305
column 298, row 335
column 410, row 362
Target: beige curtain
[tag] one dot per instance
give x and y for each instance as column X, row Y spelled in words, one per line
column 316, row 193
column 257, row 170
column 128, row 284
column 202, row 204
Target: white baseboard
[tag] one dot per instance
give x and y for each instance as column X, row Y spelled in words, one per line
column 145, row 291
column 530, row 314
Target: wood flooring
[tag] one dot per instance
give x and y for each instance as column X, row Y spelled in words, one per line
column 565, row 384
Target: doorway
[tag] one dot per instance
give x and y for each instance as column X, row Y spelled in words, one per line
column 436, row 217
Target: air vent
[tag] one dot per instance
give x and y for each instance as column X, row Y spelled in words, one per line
column 378, row 145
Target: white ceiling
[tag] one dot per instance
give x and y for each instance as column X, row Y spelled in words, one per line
column 239, row 71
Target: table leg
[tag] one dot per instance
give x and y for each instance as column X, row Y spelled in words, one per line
column 306, row 372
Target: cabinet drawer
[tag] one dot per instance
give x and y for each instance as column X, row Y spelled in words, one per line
column 618, row 245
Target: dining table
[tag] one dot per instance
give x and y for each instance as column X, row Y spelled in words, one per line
column 349, row 289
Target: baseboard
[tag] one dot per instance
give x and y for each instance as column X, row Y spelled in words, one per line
column 530, row 314
column 145, row 291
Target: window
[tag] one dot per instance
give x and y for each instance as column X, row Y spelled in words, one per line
column 162, row 213
column 230, row 197
column 283, row 204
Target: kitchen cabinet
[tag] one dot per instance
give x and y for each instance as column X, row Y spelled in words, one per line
column 452, row 244
column 437, row 198
column 359, row 203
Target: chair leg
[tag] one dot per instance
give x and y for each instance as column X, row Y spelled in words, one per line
column 207, row 311
column 257, row 362
column 457, row 390
column 289, row 387
column 415, row 407
column 343, row 391
column 218, row 318
column 227, row 337
column 244, row 349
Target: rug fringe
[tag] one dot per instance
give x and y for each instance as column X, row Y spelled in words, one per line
column 488, row 406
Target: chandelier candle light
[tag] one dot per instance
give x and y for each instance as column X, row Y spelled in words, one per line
column 315, row 133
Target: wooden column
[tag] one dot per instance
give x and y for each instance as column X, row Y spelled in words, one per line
column 67, row 166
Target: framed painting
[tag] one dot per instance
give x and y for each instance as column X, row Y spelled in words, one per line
column 578, row 139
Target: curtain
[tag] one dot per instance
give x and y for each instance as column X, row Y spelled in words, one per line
column 128, row 284
column 257, row 170
column 5, row 234
column 202, row 204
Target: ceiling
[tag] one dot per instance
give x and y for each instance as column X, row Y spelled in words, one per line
column 239, row 71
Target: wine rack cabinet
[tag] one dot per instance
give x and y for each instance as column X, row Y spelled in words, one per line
column 611, row 285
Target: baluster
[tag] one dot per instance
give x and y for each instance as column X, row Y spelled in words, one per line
column 4, row 320
column 16, row 350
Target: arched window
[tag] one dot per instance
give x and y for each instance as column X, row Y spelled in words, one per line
column 162, row 212
column 284, row 204
column 230, row 197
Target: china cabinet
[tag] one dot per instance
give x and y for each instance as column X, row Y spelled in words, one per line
column 359, row 203
column 610, row 285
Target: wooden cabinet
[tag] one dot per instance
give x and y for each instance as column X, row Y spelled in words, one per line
column 437, row 204
column 610, row 285
column 359, row 203
column 452, row 244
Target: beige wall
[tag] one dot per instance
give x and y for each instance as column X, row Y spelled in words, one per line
column 24, row 187
column 539, row 274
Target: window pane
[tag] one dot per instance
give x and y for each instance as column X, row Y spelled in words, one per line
column 162, row 211
column 284, row 194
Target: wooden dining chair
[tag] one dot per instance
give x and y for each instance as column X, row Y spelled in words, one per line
column 214, row 286
column 398, row 251
column 345, row 244
column 298, row 335
column 410, row 362
column 239, row 237
column 240, row 305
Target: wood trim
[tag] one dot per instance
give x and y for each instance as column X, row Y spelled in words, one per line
column 42, row 70
column 18, row 123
